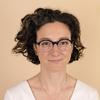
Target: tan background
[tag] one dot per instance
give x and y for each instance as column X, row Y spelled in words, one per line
column 14, row 68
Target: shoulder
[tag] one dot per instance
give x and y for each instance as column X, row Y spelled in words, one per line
column 86, row 92
column 85, row 87
column 22, row 90
column 18, row 88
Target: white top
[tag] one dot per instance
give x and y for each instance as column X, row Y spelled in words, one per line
column 23, row 92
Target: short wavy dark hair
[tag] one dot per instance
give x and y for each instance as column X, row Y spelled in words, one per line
column 31, row 23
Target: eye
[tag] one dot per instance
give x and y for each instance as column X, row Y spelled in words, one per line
column 64, row 42
column 45, row 43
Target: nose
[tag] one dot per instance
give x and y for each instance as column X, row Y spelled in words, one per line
column 55, row 50
column 55, row 47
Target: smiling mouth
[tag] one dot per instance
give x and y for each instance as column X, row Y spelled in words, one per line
column 55, row 60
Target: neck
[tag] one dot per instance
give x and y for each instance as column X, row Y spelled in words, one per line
column 53, row 81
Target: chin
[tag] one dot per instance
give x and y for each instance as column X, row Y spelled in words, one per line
column 56, row 66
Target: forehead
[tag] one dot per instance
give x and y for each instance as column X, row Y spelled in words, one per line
column 54, row 31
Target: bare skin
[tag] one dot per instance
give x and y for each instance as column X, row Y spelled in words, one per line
column 44, row 90
column 52, row 83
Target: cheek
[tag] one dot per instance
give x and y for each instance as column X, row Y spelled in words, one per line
column 68, row 54
column 42, row 55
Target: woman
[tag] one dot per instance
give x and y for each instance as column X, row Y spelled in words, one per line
column 50, row 38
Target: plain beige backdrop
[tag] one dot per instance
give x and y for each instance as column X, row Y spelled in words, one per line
column 15, row 68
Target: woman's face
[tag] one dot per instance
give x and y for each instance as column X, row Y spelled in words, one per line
column 54, row 55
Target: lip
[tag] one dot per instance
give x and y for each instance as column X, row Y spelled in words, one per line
column 57, row 60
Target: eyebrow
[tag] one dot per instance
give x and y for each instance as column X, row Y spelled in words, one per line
column 42, row 39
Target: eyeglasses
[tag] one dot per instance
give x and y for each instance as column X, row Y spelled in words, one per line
column 47, row 45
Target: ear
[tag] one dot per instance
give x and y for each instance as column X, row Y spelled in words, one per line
column 35, row 49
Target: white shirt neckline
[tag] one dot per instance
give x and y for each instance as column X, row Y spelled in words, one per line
column 34, row 98
column 30, row 90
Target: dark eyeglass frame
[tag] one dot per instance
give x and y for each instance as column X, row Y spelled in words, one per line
column 53, row 43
